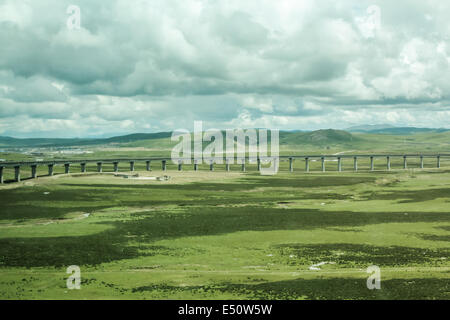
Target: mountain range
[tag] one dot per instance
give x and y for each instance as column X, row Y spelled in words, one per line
column 349, row 136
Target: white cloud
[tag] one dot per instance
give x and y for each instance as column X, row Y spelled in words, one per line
column 161, row 64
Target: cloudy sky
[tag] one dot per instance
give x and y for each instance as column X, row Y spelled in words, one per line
column 148, row 66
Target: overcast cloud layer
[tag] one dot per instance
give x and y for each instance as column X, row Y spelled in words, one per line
column 147, row 66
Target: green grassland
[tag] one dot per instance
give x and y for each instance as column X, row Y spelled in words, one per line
column 229, row 235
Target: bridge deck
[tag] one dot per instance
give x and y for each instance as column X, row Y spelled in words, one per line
column 118, row 160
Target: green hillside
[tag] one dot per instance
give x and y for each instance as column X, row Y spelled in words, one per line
column 8, row 142
column 320, row 142
column 319, row 137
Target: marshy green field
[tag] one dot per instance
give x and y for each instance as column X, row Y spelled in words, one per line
column 228, row 235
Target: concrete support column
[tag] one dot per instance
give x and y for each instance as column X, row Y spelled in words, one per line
column 131, row 166
column 243, row 165
column 438, row 161
column 306, row 164
column 50, row 170
column 371, row 164
column 1, row 175
column 99, row 167
column 355, row 163
column 291, row 165
column 421, row 162
column 323, row 164
column 66, row 168
column 180, row 165
column 195, row 165
column 163, row 165
column 388, row 163
column 405, row 165
column 83, row 167
column 17, row 173
column 116, row 166
column 147, row 165
column 33, row 171
column 339, row 164
column 259, row 164
column 227, row 165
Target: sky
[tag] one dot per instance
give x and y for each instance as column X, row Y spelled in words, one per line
column 102, row 68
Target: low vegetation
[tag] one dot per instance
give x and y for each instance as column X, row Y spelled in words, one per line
column 228, row 235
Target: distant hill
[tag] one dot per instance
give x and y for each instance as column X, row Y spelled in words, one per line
column 162, row 140
column 394, row 139
column 369, row 127
column 389, row 129
column 136, row 137
column 318, row 137
column 406, row 130
column 9, row 142
column 37, row 142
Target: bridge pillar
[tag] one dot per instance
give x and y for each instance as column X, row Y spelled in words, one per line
column 116, row 166
column 388, row 163
column 438, row 161
column 66, row 168
column 291, row 165
column 99, row 167
column 131, row 166
column 227, row 165
column 147, row 165
column 1, row 175
column 323, row 163
column 163, row 165
column 83, row 167
column 355, row 163
column 50, row 170
column 421, row 162
column 306, row 164
column 371, row 164
column 243, row 165
column 33, row 171
column 195, row 165
column 17, row 173
column 339, row 164
column 405, row 165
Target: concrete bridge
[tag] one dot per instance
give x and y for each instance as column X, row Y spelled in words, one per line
column 242, row 161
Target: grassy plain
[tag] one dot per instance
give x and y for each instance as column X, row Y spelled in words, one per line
column 221, row 235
